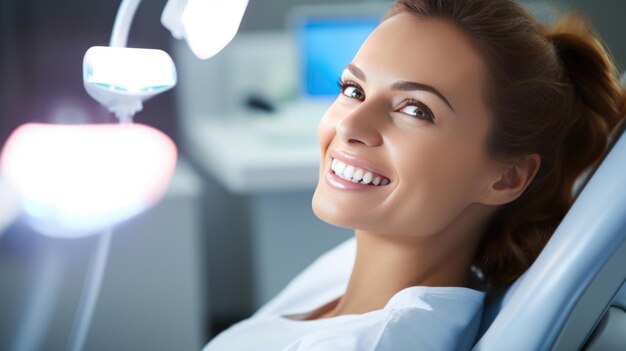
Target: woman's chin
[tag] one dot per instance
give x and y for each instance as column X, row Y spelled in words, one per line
column 333, row 213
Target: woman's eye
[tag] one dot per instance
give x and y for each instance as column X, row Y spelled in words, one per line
column 353, row 92
column 418, row 111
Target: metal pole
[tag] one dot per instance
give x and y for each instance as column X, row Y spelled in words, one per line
column 91, row 290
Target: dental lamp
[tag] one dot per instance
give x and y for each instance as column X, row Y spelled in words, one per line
column 123, row 78
column 77, row 180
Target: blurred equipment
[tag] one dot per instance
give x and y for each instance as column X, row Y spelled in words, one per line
column 139, row 74
column 207, row 25
column 77, row 180
column 123, row 78
column 9, row 206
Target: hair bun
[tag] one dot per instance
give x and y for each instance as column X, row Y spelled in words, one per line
column 589, row 67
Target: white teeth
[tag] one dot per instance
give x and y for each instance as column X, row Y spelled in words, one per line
column 376, row 181
column 348, row 172
column 367, row 178
column 358, row 175
column 340, row 167
column 355, row 174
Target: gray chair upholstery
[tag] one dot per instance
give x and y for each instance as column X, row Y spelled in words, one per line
column 572, row 288
column 610, row 333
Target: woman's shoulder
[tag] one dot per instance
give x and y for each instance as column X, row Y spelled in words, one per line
column 423, row 315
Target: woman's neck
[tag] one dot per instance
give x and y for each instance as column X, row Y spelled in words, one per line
column 386, row 264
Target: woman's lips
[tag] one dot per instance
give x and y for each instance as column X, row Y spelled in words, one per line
column 348, row 172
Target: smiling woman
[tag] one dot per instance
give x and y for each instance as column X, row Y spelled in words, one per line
column 453, row 146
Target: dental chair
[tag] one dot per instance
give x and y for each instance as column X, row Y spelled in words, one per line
column 573, row 297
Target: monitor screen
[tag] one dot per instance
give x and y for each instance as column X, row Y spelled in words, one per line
column 327, row 45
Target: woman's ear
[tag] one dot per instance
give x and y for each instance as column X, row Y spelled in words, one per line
column 512, row 180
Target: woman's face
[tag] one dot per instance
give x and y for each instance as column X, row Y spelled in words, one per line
column 411, row 119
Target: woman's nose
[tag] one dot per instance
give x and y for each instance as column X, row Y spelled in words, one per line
column 361, row 125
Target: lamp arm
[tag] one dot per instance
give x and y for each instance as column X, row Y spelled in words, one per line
column 123, row 21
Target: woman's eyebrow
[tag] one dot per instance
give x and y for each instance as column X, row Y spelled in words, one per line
column 409, row 86
column 356, row 71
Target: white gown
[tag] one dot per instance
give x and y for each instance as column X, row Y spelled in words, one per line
column 416, row 318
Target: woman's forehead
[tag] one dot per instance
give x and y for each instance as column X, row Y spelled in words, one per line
column 435, row 52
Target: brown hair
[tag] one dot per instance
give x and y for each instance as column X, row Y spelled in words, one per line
column 551, row 91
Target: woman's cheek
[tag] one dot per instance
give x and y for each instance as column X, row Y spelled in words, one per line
column 325, row 130
column 438, row 187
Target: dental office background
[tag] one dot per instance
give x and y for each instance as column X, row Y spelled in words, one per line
column 235, row 224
